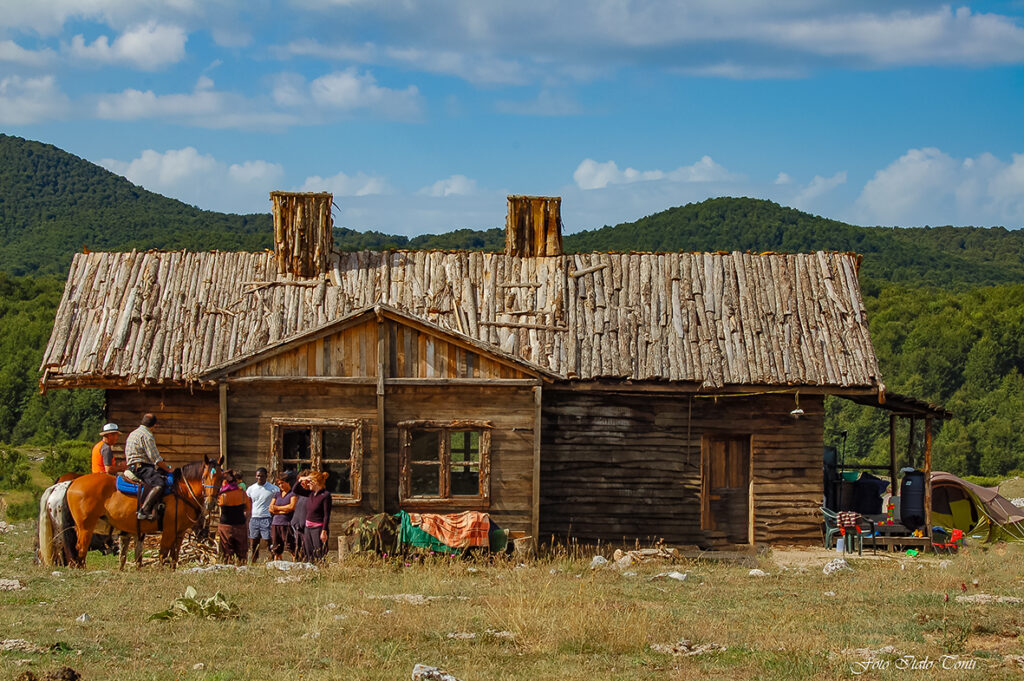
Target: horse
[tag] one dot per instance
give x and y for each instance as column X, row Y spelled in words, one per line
column 192, row 496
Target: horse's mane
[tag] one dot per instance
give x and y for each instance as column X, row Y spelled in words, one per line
column 192, row 471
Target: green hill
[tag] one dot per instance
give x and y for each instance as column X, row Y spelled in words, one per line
column 947, row 257
column 53, row 204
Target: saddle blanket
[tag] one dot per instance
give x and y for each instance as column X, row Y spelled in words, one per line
column 132, row 489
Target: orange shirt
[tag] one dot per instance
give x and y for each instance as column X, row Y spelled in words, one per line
column 97, row 458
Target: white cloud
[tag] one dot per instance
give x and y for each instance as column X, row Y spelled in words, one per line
column 480, row 69
column 14, row 53
column 48, row 17
column 818, row 187
column 456, row 185
column 350, row 90
column 205, row 107
column 928, row 186
column 341, row 184
column 590, row 174
column 200, row 179
column 783, row 178
column 148, row 46
column 30, row 100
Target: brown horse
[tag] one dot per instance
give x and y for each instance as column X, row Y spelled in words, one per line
column 193, row 495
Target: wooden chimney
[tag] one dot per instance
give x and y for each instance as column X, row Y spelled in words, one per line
column 303, row 232
column 533, row 226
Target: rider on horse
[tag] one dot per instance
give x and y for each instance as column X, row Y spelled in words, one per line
column 145, row 462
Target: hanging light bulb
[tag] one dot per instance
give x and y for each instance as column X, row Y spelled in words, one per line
column 798, row 412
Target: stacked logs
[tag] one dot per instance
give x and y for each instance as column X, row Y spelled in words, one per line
column 303, row 232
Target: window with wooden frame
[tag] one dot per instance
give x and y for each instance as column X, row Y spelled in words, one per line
column 445, row 463
column 334, row 446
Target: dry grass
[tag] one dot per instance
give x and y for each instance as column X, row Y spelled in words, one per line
column 563, row 621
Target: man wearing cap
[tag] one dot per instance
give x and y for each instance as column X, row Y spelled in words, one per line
column 145, row 462
column 103, row 452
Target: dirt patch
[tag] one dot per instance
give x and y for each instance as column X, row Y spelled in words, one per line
column 993, row 643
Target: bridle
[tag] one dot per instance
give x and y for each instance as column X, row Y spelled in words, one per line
column 203, row 509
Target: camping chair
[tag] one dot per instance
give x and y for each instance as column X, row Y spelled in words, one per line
column 852, row 526
column 949, row 541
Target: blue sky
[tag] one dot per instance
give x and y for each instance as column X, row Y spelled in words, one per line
column 421, row 115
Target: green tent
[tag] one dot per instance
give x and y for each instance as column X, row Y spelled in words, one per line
column 978, row 511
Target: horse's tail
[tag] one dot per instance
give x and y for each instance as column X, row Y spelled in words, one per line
column 68, row 531
column 46, row 530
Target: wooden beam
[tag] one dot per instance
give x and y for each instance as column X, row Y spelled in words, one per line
column 381, row 428
column 893, row 481
column 535, row 513
column 296, row 380
column 910, row 443
column 928, row 475
column 224, row 424
column 492, row 382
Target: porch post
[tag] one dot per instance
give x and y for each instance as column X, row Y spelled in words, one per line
column 928, row 475
column 892, row 456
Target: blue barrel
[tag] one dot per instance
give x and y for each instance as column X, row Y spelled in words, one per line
column 912, row 500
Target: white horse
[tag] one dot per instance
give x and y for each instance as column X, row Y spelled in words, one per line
column 57, row 536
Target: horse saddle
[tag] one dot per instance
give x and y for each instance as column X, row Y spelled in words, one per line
column 128, row 484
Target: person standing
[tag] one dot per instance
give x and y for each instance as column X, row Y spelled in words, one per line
column 234, row 507
column 103, row 460
column 144, row 461
column 298, row 522
column 318, row 516
column 261, row 494
column 282, row 508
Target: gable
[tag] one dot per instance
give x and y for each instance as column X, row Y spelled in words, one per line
column 410, row 351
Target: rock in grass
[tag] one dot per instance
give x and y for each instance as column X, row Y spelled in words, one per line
column 83, row 618
column 289, row 565
column 10, row 585
column 757, row 573
column 987, row 598
column 598, row 561
column 422, row 672
column 678, row 576
column 834, row 566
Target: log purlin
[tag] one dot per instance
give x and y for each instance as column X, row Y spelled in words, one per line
column 713, row 319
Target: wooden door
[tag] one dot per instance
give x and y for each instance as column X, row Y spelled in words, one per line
column 725, row 489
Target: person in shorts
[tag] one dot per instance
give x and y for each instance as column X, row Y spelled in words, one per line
column 261, row 494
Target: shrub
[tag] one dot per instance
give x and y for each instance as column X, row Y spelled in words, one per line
column 69, row 456
column 14, row 472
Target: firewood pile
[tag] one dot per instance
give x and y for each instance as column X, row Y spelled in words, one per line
column 193, row 549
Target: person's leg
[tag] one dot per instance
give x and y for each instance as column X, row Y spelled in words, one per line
column 240, row 533
column 224, row 543
column 254, row 539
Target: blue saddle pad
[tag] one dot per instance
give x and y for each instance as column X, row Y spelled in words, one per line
column 132, row 489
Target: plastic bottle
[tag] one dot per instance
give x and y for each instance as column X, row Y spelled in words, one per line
column 840, row 545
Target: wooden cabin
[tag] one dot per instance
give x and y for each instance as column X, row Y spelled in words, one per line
column 595, row 396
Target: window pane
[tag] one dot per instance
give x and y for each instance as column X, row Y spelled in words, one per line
column 295, row 443
column 340, row 479
column 337, row 444
column 465, row 446
column 425, row 446
column 465, row 482
column 425, row 481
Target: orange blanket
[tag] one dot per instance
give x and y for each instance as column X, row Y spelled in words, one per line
column 458, row 530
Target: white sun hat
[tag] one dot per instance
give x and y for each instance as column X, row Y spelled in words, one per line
column 109, row 428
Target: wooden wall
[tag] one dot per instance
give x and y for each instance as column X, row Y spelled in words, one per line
column 621, row 467
column 251, row 408
column 187, row 421
column 511, row 411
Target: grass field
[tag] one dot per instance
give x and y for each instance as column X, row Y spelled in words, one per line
column 551, row 619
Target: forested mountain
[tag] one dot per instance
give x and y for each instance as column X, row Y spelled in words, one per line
column 53, row 204
column 946, row 304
